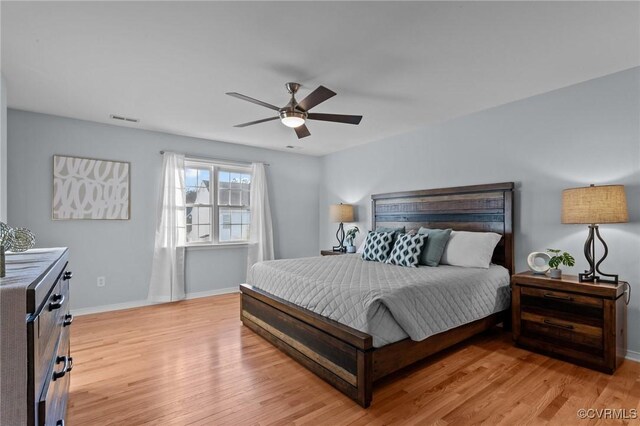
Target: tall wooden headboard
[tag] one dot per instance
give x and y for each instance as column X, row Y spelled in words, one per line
column 480, row 208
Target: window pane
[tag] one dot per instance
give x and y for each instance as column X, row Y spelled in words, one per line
column 225, row 232
column 236, row 179
column 204, row 232
column 223, row 180
column 246, row 217
column 190, row 176
column 202, row 194
column 225, row 217
column 235, row 198
column 245, row 232
column 245, row 198
column 223, row 197
column 246, row 180
column 236, row 232
column 204, row 177
column 191, row 194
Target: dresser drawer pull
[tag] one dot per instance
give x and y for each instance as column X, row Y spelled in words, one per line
column 68, row 319
column 58, row 301
column 65, row 367
column 555, row 324
column 553, row 296
column 70, row 367
column 60, row 422
column 67, row 275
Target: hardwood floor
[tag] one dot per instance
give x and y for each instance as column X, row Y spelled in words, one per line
column 193, row 362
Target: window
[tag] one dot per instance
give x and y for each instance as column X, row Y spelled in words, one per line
column 218, row 205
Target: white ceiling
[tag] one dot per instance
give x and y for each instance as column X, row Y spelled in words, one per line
column 400, row 65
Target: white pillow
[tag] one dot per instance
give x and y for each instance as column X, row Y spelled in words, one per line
column 470, row 249
column 361, row 248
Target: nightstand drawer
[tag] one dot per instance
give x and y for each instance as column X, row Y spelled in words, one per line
column 560, row 297
column 579, row 336
column 567, row 307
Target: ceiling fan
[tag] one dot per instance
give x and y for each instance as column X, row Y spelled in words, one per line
column 294, row 114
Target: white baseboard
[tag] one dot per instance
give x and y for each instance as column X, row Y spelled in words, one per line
column 140, row 303
column 633, row 356
column 216, row 292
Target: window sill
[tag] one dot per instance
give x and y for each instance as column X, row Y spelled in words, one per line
column 215, row 246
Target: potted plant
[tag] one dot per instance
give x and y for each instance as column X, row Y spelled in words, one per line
column 559, row 258
column 350, row 237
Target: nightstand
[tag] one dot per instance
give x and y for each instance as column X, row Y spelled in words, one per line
column 580, row 322
column 331, row 253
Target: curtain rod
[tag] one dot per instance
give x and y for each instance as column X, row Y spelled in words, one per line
column 223, row 160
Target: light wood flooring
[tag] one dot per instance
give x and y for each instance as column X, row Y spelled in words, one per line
column 193, row 362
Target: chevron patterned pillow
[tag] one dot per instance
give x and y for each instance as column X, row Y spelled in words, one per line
column 406, row 251
column 377, row 246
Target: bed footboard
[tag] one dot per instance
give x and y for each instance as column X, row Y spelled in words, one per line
column 337, row 353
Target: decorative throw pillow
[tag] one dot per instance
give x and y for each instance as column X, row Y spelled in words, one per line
column 406, row 251
column 377, row 246
column 470, row 249
column 435, row 245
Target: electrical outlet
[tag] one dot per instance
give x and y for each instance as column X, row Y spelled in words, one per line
column 102, row 281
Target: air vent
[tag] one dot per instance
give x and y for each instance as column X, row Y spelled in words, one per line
column 293, row 147
column 121, row 118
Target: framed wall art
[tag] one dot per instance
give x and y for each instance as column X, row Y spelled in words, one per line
column 88, row 188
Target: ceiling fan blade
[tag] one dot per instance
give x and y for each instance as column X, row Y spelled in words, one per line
column 252, row 100
column 336, row 118
column 314, row 98
column 302, row 131
column 251, row 123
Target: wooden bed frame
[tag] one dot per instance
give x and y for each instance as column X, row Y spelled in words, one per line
column 345, row 357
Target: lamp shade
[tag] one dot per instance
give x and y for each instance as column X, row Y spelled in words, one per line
column 341, row 212
column 595, row 204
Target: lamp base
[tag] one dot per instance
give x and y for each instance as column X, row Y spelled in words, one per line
column 594, row 274
column 340, row 237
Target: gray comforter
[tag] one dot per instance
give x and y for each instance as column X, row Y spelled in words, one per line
column 386, row 301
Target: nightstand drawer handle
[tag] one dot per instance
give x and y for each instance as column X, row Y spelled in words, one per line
column 555, row 324
column 553, row 296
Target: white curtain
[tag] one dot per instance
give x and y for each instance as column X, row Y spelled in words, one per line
column 167, row 274
column 261, row 229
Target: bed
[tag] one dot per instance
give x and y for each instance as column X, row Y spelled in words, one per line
column 353, row 322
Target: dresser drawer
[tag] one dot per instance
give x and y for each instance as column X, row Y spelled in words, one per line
column 48, row 327
column 53, row 400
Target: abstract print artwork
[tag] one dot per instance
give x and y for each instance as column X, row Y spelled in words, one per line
column 85, row 188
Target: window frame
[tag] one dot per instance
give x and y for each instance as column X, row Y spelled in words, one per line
column 214, row 168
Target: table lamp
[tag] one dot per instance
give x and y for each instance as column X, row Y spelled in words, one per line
column 341, row 213
column 594, row 205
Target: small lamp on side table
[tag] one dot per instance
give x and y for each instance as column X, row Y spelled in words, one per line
column 593, row 205
column 341, row 213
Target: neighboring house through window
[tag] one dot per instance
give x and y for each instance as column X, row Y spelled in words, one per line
column 218, row 206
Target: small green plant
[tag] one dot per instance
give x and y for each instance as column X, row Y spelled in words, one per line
column 559, row 258
column 351, row 235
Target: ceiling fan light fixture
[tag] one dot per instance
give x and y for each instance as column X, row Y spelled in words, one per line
column 292, row 118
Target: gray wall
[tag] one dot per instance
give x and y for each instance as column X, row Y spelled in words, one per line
column 122, row 250
column 586, row 133
column 3, row 149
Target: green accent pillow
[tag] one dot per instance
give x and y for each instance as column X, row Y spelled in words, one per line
column 437, row 240
column 396, row 231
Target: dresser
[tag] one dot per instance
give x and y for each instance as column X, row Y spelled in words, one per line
column 581, row 322
column 35, row 360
